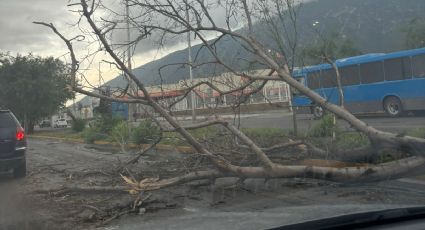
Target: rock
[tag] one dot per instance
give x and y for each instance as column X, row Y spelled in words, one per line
column 87, row 215
column 142, row 211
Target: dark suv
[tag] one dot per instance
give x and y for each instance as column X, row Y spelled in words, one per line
column 12, row 144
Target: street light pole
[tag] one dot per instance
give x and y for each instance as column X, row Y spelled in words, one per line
column 192, row 94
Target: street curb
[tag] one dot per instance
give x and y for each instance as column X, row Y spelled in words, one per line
column 180, row 149
column 75, row 140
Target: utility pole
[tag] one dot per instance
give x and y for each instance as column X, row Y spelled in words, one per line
column 192, row 93
column 132, row 89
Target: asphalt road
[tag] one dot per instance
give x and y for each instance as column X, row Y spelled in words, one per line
column 283, row 119
column 258, row 204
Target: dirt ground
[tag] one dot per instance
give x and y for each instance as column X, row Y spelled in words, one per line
column 40, row 202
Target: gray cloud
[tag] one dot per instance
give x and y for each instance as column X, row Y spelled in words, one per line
column 19, row 34
column 152, row 42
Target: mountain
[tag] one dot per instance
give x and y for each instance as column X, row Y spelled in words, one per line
column 372, row 25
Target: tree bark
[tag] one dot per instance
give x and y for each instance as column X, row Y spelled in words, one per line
column 390, row 170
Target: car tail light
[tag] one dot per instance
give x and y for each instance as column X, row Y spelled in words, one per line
column 20, row 134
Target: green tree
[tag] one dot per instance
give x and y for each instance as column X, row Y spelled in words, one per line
column 415, row 33
column 330, row 45
column 33, row 87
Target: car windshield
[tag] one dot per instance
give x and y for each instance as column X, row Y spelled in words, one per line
column 209, row 114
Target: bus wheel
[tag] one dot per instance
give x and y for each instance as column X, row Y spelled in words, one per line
column 393, row 107
column 318, row 111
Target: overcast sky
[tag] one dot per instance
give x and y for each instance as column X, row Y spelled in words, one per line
column 19, row 35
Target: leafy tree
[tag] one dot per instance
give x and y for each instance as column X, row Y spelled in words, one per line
column 33, row 87
column 332, row 45
column 415, row 33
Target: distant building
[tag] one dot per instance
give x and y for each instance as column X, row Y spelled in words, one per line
column 173, row 95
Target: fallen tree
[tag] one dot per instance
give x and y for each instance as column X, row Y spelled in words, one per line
column 170, row 17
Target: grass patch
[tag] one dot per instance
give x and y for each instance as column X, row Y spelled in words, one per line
column 351, row 140
column 219, row 136
column 212, row 134
column 418, row 132
column 63, row 133
column 90, row 135
column 265, row 137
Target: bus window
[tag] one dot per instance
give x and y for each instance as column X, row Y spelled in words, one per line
column 349, row 75
column 313, row 80
column 397, row 69
column 328, row 78
column 371, row 72
column 418, row 64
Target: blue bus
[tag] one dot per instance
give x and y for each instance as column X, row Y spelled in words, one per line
column 393, row 83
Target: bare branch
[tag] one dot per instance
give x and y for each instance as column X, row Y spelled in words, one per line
column 248, row 16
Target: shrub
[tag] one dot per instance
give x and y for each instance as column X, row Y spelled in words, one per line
column 104, row 124
column 324, row 128
column 120, row 133
column 92, row 134
column 78, row 125
column 147, row 132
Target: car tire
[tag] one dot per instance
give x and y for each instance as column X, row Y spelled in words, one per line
column 393, row 107
column 317, row 111
column 21, row 170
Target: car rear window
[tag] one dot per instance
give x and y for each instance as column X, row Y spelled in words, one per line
column 7, row 120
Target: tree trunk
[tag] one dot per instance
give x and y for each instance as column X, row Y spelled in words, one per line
column 70, row 114
column 390, row 170
column 30, row 128
column 339, row 84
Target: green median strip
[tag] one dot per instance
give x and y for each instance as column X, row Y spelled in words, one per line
column 57, row 138
column 181, row 149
